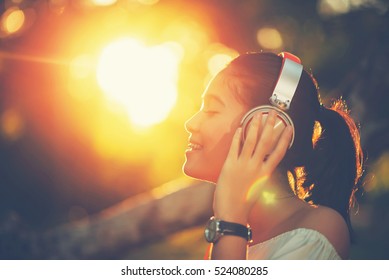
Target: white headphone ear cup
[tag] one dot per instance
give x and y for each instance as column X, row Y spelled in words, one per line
column 281, row 122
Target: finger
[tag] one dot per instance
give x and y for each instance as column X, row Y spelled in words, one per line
column 266, row 140
column 252, row 136
column 235, row 144
column 280, row 150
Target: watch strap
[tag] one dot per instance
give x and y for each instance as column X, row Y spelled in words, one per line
column 235, row 229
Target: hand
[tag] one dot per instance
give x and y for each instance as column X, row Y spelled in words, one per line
column 247, row 168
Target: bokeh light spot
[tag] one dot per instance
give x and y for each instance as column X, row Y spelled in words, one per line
column 11, row 124
column 217, row 62
column 332, row 7
column 269, row 38
column 190, row 35
column 104, row 2
column 12, row 20
column 268, row 197
column 379, row 179
column 329, row 8
column 57, row 6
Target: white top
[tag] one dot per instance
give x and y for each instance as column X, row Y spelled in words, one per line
column 297, row 244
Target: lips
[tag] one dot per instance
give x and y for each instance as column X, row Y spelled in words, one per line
column 194, row 146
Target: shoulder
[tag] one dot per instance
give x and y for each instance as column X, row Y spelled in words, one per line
column 331, row 224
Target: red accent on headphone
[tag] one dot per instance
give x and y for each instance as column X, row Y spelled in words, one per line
column 290, row 56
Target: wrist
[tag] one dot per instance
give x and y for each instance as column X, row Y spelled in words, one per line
column 216, row 228
column 229, row 209
column 239, row 218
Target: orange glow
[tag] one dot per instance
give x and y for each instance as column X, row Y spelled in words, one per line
column 111, row 90
column 57, row 6
column 218, row 62
column 189, row 35
column 81, row 66
column 217, row 56
column 148, row 2
column 12, row 20
column 1, row 63
column 11, row 124
column 104, row 2
column 81, row 70
column 269, row 38
column 30, row 58
column 142, row 79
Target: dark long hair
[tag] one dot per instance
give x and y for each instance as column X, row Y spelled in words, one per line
column 326, row 157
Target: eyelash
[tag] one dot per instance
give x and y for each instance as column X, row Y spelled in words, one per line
column 205, row 110
column 209, row 112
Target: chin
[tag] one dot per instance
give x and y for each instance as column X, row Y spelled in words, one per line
column 195, row 173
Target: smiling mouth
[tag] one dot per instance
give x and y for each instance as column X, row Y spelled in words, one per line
column 193, row 147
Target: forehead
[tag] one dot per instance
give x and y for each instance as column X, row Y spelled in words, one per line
column 220, row 89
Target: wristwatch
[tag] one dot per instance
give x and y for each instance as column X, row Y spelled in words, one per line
column 216, row 228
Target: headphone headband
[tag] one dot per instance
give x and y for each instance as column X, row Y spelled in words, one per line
column 287, row 82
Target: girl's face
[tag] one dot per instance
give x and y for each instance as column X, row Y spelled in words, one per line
column 211, row 130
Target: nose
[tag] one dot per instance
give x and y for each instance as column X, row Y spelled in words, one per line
column 193, row 124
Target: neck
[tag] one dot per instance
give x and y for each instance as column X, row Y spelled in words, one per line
column 275, row 205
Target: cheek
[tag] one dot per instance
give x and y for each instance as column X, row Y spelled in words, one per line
column 218, row 150
column 217, row 138
column 222, row 135
column 221, row 139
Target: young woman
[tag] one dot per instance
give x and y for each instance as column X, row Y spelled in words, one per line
column 284, row 188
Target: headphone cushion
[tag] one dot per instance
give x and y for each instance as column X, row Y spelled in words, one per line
column 282, row 121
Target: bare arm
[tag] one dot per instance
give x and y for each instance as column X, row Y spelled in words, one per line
column 229, row 248
column 242, row 175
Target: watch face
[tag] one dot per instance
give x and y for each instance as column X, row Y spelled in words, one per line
column 210, row 231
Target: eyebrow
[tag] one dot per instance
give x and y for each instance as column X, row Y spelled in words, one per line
column 213, row 97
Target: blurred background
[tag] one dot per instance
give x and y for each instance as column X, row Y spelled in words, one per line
column 94, row 95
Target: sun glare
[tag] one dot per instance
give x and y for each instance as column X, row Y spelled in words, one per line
column 142, row 79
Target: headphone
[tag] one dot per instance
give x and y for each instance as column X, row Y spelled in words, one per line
column 288, row 79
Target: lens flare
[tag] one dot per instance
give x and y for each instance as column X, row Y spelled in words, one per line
column 81, row 66
column 268, row 197
column 256, row 188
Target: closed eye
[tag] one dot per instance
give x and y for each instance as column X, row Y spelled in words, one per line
column 209, row 105
column 210, row 112
column 206, row 109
